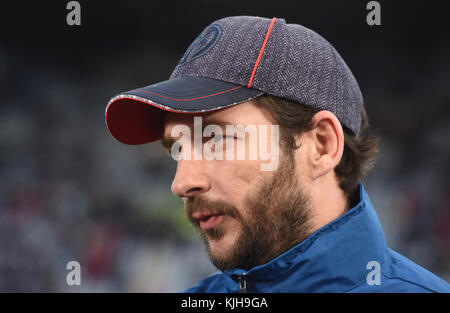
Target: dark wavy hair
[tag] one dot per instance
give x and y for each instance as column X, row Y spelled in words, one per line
column 359, row 151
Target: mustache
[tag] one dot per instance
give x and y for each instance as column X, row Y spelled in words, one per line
column 201, row 204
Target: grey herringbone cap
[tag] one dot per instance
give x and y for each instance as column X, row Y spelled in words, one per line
column 234, row 60
column 296, row 63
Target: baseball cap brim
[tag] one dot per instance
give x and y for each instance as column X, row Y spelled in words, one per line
column 137, row 116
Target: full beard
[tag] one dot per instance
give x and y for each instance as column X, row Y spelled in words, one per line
column 277, row 218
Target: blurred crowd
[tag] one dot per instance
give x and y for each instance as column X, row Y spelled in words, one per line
column 69, row 191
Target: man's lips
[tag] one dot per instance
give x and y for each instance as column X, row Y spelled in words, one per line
column 208, row 220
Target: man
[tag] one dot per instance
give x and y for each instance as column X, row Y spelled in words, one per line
column 295, row 217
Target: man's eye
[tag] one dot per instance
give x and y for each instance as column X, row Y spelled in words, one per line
column 175, row 148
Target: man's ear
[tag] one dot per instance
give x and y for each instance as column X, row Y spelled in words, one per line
column 325, row 142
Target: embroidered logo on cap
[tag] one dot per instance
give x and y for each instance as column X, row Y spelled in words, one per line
column 202, row 44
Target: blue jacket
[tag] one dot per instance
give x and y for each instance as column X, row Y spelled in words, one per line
column 347, row 255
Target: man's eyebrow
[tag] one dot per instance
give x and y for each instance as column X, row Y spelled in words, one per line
column 167, row 142
column 214, row 121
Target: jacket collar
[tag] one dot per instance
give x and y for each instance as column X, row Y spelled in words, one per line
column 333, row 258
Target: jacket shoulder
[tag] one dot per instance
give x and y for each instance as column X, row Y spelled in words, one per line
column 400, row 274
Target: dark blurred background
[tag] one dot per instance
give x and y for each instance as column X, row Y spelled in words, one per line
column 69, row 191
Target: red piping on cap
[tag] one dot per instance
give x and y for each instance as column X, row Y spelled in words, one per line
column 261, row 52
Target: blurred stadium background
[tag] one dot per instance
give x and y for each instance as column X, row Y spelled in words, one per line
column 69, row 191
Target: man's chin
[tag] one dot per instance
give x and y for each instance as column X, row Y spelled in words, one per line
column 220, row 243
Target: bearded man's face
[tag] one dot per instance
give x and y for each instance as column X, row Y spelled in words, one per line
column 245, row 216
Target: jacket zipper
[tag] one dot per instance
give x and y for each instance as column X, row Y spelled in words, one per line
column 243, row 283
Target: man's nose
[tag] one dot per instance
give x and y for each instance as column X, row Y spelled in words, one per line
column 190, row 179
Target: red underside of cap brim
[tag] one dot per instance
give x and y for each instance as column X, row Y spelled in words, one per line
column 134, row 122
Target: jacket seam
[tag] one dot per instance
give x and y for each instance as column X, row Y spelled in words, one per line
column 409, row 282
column 390, row 277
